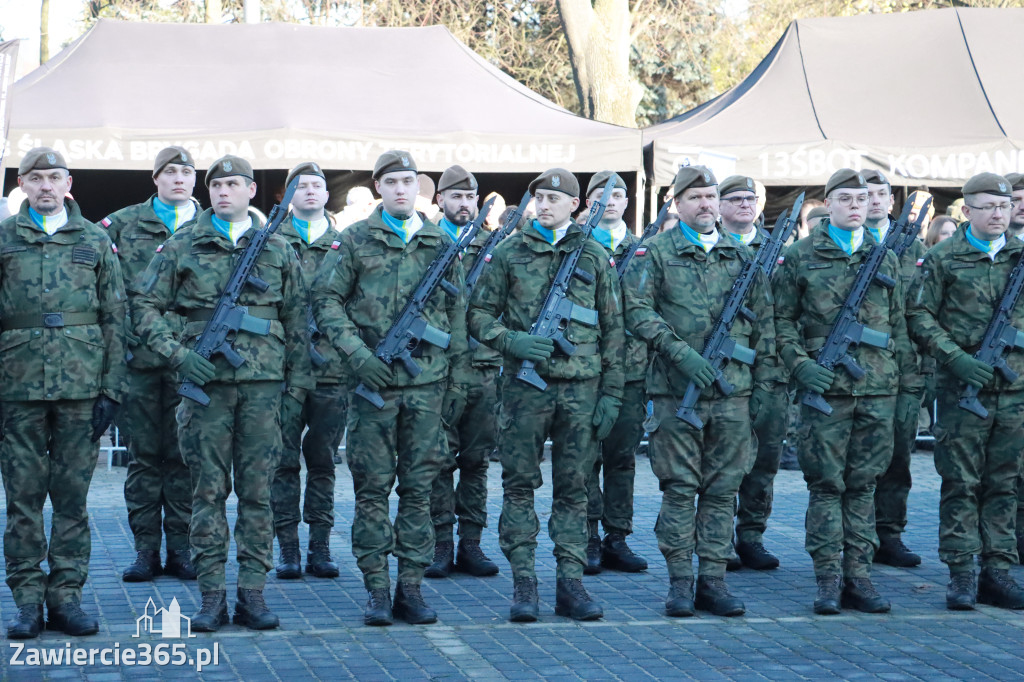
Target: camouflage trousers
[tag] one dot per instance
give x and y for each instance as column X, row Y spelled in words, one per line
column 470, row 443
column 158, row 488
column 842, row 456
column 979, row 461
column 526, row 418
column 46, row 453
column 617, row 458
column 757, row 490
column 404, row 440
column 324, row 412
column 894, row 485
column 236, row 438
column 709, row 463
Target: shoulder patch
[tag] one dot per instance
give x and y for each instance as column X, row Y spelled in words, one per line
column 487, row 258
column 782, row 259
column 611, row 261
column 920, row 262
column 113, row 247
column 336, row 245
column 160, row 248
column 641, row 251
column 106, row 222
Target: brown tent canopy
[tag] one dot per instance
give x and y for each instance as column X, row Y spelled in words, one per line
column 278, row 94
column 927, row 97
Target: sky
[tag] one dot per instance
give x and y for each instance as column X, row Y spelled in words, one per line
column 20, row 19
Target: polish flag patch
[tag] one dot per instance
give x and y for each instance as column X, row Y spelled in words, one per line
column 113, row 247
column 487, row 258
column 920, row 262
column 612, row 262
column 642, row 251
column 336, row 245
column 160, row 248
column 106, row 222
column 782, row 259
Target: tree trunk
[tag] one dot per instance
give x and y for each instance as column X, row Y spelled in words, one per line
column 44, row 31
column 214, row 11
column 599, row 44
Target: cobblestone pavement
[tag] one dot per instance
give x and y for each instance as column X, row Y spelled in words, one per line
column 322, row 636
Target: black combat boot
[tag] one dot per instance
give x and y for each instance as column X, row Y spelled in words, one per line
column 679, row 603
column 755, row 556
column 145, row 568
column 616, row 555
column 378, row 607
column 290, row 567
column 213, row 613
column 444, row 560
column 572, row 600
column 251, row 611
column 472, row 560
column 70, row 619
column 892, row 552
column 961, row 591
column 734, row 563
column 410, row 606
column 859, row 594
column 27, row 624
column 997, row 588
column 827, row 601
column 179, row 565
column 524, row 600
column 713, row 595
column 593, row 565
column 319, row 563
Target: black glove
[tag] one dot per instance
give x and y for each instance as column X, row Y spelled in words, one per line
column 103, row 411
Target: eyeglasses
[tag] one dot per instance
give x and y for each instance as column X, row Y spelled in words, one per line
column 848, row 199
column 739, row 201
column 1005, row 207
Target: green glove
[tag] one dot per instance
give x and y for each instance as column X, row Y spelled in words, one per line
column 813, row 376
column 605, row 415
column 528, row 347
column 453, row 406
column 762, row 402
column 291, row 409
column 971, row 371
column 694, row 367
column 195, row 368
column 908, row 407
column 371, row 370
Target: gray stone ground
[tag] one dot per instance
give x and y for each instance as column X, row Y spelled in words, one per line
column 322, row 636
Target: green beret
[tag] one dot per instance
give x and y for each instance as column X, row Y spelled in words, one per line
column 227, row 166
column 692, row 176
column 817, row 212
column 601, row 179
column 1016, row 180
column 456, row 177
column 307, row 168
column 845, row 178
column 42, row 158
column 174, row 154
column 736, row 183
column 557, row 179
column 393, row 161
column 988, row 183
column 876, row 177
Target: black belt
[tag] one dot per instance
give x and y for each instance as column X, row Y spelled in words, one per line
column 48, row 320
column 264, row 312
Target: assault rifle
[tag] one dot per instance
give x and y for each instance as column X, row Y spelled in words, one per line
column 558, row 310
column 846, row 331
column 493, row 240
column 1000, row 338
column 409, row 330
column 719, row 347
column 228, row 317
column 649, row 231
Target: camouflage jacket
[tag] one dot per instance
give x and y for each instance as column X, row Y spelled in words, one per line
column 336, row 369
column 363, row 284
column 810, row 288
column 675, row 292
column 137, row 231
column 512, row 291
column 483, row 356
column 952, row 300
column 73, row 280
column 635, row 349
column 188, row 274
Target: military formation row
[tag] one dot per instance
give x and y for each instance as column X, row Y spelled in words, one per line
column 588, row 324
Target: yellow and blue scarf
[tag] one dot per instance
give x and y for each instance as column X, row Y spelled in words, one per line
column 878, row 233
column 451, row 229
column 49, row 223
column 310, row 230
column 989, row 248
column 848, row 240
column 610, row 238
column 745, row 239
column 406, row 229
column 173, row 217
column 705, row 241
column 232, row 231
column 551, row 236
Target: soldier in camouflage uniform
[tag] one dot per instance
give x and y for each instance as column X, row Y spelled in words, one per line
column 675, row 290
column 237, row 437
column 470, row 440
column 361, row 287
column 582, row 399
column 738, row 206
column 617, row 452
column 158, row 482
column 308, row 230
column 62, row 375
column 843, row 454
column 957, row 290
column 1016, row 229
column 894, row 485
